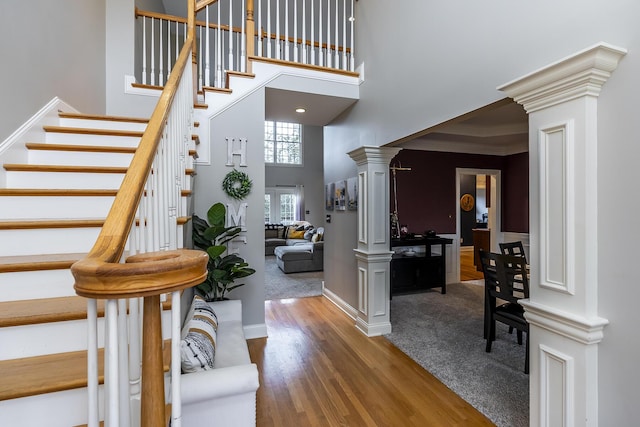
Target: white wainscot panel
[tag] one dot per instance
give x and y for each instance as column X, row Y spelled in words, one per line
column 557, row 395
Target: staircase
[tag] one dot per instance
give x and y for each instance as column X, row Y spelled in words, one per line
column 53, row 208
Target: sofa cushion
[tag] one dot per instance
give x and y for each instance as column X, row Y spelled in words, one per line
column 199, row 334
column 295, row 234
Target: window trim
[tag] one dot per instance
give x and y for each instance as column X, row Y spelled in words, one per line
column 275, row 146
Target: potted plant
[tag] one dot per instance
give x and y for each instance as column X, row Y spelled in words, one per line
column 223, row 270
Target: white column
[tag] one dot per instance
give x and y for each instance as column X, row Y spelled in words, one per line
column 562, row 103
column 373, row 253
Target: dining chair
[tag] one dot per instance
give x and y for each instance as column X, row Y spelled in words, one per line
column 508, row 311
column 513, row 248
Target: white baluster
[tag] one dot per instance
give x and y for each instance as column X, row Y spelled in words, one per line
column 230, row 67
column 286, row 30
column 219, row 52
column 161, row 60
column 352, row 46
column 268, row 29
column 144, row 50
column 201, row 61
column 168, row 49
column 153, row 38
column 304, row 32
column 344, row 34
column 207, row 68
column 337, row 37
column 112, row 407
column 123, row 371
column 295, row 31
column 243, row 39
column 259, row 28
column 313, row 47
column 277, row 44
column 176, row 402
column 320, row 53
column 329, row 56
column 92, row 363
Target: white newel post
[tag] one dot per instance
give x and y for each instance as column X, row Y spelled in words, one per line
column 562, row 103
column 373, row 253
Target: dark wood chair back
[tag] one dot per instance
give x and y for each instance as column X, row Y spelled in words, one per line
column 514, row 249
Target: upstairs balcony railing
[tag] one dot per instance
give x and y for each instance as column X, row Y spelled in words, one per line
column 229, row 32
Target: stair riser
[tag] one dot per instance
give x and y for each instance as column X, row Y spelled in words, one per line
column 56, row 337
column 101, row 124
column 60, row 409
column 47, row 241
column 96, row 140
column 53, row 180
column 54, row 207
column 79, row 158
column 23, row 285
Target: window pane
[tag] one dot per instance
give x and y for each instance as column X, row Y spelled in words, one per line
column 267, row 209
column 289, row 152
column 283, row 143
column 287, row 208
column 269, row 149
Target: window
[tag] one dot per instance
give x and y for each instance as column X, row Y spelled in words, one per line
column 283, row 143
column 280, row 205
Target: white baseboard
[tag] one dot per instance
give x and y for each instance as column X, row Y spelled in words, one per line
column 340, row 303
column 255, row 331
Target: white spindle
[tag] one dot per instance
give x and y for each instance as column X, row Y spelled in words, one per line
column 153, row 38
column 277, row 44
column 92, row 363
column 200, row 61
column 295, row 31
column 344, row 34
column 313, row 47
column 169, row 59
column 219, row 52
column 161, row 60
column 243, row 39
column 144, row 50
column 351, row 46
column 268, row 29
column 123, row 350
column 328, row 51
column 112, row 407
column 176, row 402
column 207, row 55
column 337, row 37
column 304, row 32
column 259, row 28
column 230, row 66
column 286, row 30
column 135, row 348
column 320, row 55
column 176, row 37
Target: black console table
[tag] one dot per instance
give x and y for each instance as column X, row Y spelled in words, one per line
column 421, row 271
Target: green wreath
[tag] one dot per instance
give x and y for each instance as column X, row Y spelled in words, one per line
column 236, row 184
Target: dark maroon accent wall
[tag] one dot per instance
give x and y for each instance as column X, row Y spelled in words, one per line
column 515, row 190
column 427, row 193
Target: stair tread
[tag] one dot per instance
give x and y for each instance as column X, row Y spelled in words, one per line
column 35, row 311
column 38, row 262
column 51, row 223
column 50, row 373
column 92, row 131
column 56, row 192
column 82, row 148
column 102, row 117
column 17, row 167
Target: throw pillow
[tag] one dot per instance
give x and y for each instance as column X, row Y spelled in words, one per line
column 198, row 343
column 317, row 237
column 309, row 233
column 295, row 234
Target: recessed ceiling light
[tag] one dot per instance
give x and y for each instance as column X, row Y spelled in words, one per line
column 300, row 110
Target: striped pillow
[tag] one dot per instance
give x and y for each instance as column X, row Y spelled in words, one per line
column 198, row 343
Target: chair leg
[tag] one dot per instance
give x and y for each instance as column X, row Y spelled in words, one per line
column 519, row 335
column 490, row 333
column 510, row 329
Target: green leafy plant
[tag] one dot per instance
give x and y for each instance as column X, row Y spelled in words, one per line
column 223, row 270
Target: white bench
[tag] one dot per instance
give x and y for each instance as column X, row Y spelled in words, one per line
column 225, row 395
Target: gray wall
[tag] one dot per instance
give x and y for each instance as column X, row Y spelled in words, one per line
column 49, row 49
column 243, row 120
column 310, row 174
column 460, row 52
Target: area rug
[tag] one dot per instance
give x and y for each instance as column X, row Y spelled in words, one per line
column 444, row 334
column 293, row 285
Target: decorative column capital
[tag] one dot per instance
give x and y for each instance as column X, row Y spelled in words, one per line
column 370, row 154
column 581, row 74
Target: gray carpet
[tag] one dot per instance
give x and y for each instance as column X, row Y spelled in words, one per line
column 293, row 285
column 444, row 334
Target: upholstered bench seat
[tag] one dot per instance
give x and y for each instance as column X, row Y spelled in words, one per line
column 300, row 257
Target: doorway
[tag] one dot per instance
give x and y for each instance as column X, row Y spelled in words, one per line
column 478, row 196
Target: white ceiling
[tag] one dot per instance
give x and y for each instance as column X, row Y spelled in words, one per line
column 320, row 109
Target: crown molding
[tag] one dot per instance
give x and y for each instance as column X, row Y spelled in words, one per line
column 578, row 75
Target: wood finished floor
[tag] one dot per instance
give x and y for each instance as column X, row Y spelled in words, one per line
column 317, row 369
column 468, row 271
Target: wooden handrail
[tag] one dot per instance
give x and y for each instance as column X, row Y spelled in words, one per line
column 173, row 18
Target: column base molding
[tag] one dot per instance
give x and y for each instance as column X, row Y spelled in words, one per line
column 374, row 330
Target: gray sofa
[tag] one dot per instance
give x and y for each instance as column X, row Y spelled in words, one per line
column 279, row 235
column 301, row 257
